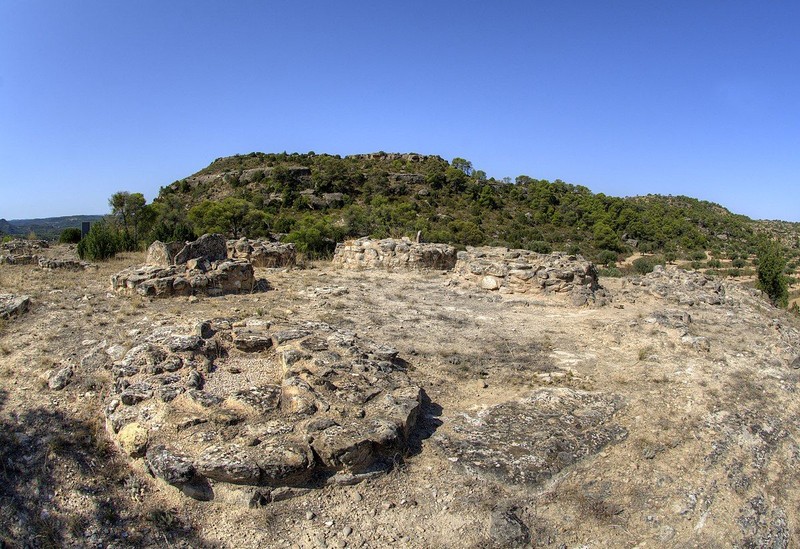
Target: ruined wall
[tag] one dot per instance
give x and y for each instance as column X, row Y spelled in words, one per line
column 523, row 271
column 199, row 267
column 391, row 253
column 263, row 253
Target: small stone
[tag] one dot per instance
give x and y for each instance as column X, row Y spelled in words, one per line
column 346, row 531
column 357, row 496
column 310, row 515
column 133, row 440
column 387, row 505
column 60, row 378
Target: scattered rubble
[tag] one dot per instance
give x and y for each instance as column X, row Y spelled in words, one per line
column 391, row 254
column 49, row 264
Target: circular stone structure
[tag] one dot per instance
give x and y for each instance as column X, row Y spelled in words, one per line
column 252, row 402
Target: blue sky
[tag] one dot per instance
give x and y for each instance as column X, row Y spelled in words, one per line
column 624, row 97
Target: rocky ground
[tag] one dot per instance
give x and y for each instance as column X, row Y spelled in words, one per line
column 667, row 417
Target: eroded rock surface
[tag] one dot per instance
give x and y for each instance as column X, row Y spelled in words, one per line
column 529, row 440
column 523, row 271
column 257, row 403
column 391, row 253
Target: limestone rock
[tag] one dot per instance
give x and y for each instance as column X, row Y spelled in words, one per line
column 162, row 254
column 526, row 272
column 13, row 305
column 548, row 430
column 285, row 403
column 213, row 247
column 60, row 378
column 133, row 440
column 262, row 253
column 391, row 253
column 224, row 277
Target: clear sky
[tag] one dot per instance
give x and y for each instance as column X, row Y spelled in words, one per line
column 700, row 98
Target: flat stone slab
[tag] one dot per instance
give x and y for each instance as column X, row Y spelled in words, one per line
column 13, row 305
column 529, row 440
column 252, row 402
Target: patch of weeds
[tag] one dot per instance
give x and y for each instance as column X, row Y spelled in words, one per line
column 645, row 353
column 163, row 518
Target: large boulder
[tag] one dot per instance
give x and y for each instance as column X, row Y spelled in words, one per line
column 162, row 254
column 13, row 305
column 212, row 247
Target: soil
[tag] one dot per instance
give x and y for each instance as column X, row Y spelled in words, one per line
column 662, row 419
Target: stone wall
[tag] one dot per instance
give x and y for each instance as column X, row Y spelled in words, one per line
column 185, row 269
column 263, row 253
column 523, row 271
column 213, row 279
column 392, row 253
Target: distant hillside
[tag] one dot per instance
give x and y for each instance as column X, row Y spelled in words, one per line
column 326, row 198
column 46, row 228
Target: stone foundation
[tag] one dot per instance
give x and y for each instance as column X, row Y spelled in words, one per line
column 524, row 272
column 276, row 406
column 263, row 253
column 197, row 277
column 392, row 254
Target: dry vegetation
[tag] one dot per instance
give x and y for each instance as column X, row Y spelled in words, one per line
column 709, row 456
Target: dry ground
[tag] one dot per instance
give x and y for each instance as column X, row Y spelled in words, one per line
column 710, row 456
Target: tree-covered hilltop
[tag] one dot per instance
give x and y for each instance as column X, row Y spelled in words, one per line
column 318, row 199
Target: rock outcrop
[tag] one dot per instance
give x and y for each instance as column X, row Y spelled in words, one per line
column 263, row 253
column 529, row 440
column 13, row 305
column 522, row 271
column 393, row 254
column 255, row 403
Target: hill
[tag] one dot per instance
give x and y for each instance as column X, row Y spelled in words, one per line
column 48, row 228
column 319, row 199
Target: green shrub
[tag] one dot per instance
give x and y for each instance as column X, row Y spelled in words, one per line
column 610, row 272
column 70, row 235
column 714, row 263
column 769, row 270
column 102, row 242
column 646, row 264
column 606, row 257
column 738, row 263
column 698, row 255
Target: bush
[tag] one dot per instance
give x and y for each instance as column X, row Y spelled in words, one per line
column 769, row 270
column 102, row 242
column 698, row 255
column 714, row 263
column 70, row 235
column 646, row 264
column 606, row 257
column 613, row 272
column 738, row 263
